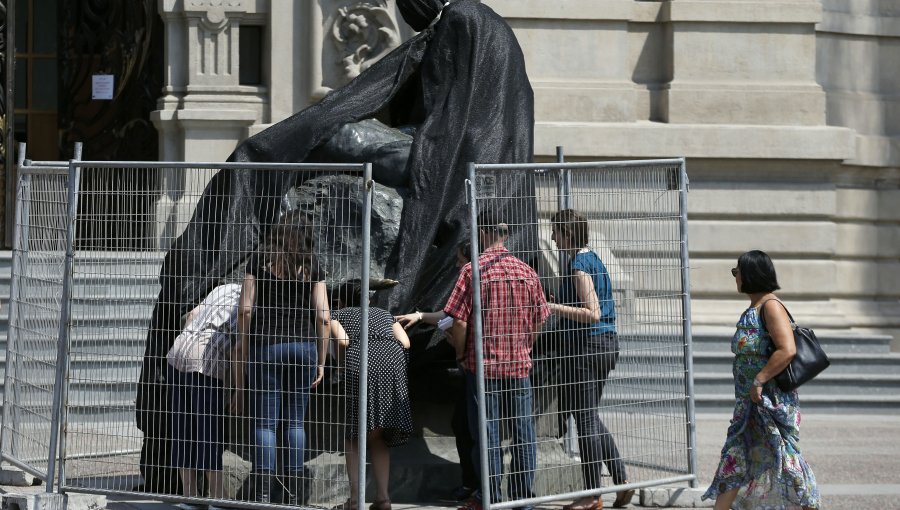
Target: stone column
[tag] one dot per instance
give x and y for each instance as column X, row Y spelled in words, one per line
column 205, row 111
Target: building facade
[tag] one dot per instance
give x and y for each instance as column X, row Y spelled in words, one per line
column 786, row 110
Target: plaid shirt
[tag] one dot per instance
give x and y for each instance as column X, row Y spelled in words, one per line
column 513, row 307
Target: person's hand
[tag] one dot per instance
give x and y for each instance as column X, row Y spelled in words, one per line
column 237, row 402
column 320, row 374
column 756, row 394
column 408, row 320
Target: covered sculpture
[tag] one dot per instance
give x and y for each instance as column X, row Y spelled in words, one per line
column 461, row 88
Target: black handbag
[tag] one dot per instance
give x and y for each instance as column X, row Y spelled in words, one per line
column 809, row 361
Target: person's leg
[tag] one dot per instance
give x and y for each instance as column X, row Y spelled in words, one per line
column 181, row 430
column 381, row 465
column 725, row 499
column 351, row 458
column 216, row 481
column 518, row 408
column 299, row 359
column 494, row 457
column 459, row 423
column 264, row 383
column 607, row 357
column 300, row 371
column 209, row 401
column 493, row 394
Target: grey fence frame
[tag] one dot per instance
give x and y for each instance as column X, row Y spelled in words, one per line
column 56, row 456
column 55, row 475
column 27, row 171
column 564, row 188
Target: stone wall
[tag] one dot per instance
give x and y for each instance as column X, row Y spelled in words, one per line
column 787, row 111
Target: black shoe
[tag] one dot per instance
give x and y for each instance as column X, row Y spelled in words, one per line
column 461, row 493
column 262, row 487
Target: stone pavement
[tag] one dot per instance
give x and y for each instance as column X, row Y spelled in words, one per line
column 856, row 459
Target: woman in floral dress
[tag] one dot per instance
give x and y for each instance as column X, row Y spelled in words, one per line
column 761, row 464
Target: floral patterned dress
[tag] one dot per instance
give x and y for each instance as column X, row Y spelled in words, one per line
column 762, row 453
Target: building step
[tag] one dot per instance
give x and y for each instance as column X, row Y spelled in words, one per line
column 714, row 339
column 841, row 363
column 825, row 384
column 840, row 404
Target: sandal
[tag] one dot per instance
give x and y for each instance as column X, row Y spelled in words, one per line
column 623, row 498
column 384, row 504
column 594, row 504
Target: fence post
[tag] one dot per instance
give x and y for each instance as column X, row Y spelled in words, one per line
column 686, row 312
column 479, row 348
column 563, row 190
column 64, row 417
column 62, row 353
column 368, row 187
column 12, row 358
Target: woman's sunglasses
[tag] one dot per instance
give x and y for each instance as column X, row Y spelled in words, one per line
column 734, row 271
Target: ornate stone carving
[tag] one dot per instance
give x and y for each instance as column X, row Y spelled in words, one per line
column 213, row 23
column 362, row 33
column 214, row 13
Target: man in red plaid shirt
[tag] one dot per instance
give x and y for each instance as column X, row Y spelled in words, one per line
column 513, row 313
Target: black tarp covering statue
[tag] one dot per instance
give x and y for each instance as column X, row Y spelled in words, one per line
column 459, row 87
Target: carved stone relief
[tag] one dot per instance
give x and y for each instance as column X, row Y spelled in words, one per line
column 359, row 34
column 214, row 22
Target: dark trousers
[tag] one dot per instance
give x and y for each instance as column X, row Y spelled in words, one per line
column 586, row 363
column 464, row 442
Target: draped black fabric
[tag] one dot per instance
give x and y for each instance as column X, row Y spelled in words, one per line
column 461, row 83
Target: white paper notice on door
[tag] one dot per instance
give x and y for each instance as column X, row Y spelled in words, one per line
column 102, row 86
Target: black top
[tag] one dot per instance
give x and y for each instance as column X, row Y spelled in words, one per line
column 283, row 310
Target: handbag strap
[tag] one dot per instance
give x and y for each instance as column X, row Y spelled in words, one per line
column 762, row 313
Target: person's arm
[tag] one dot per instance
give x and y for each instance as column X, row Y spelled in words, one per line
column 779, row 327
column 589, row 310
column 339, row 334
column 242, row 346
column 456, row 337
column 411, row 319
column 323, row 328
column 192, row 315
column 400, row 334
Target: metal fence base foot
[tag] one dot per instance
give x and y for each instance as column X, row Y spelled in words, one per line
column 39, row 501
column 11, row 475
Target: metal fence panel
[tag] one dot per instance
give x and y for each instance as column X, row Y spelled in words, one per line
column 119, row 252
column 632, row 216
column 123, row 226
column 36, row 291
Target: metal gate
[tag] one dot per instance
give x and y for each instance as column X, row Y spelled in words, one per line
column 623, row 226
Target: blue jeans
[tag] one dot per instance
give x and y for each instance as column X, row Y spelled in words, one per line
column 508, row 405
column 280, row 375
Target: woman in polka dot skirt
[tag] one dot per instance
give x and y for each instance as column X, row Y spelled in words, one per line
column 388, row 417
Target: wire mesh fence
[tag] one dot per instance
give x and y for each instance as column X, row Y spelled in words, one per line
column 35, row 305
column 199, row 365
column 583, row 369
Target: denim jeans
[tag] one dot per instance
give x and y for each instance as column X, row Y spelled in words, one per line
column 508, row 405
column 280, row 375
column 586, row 361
